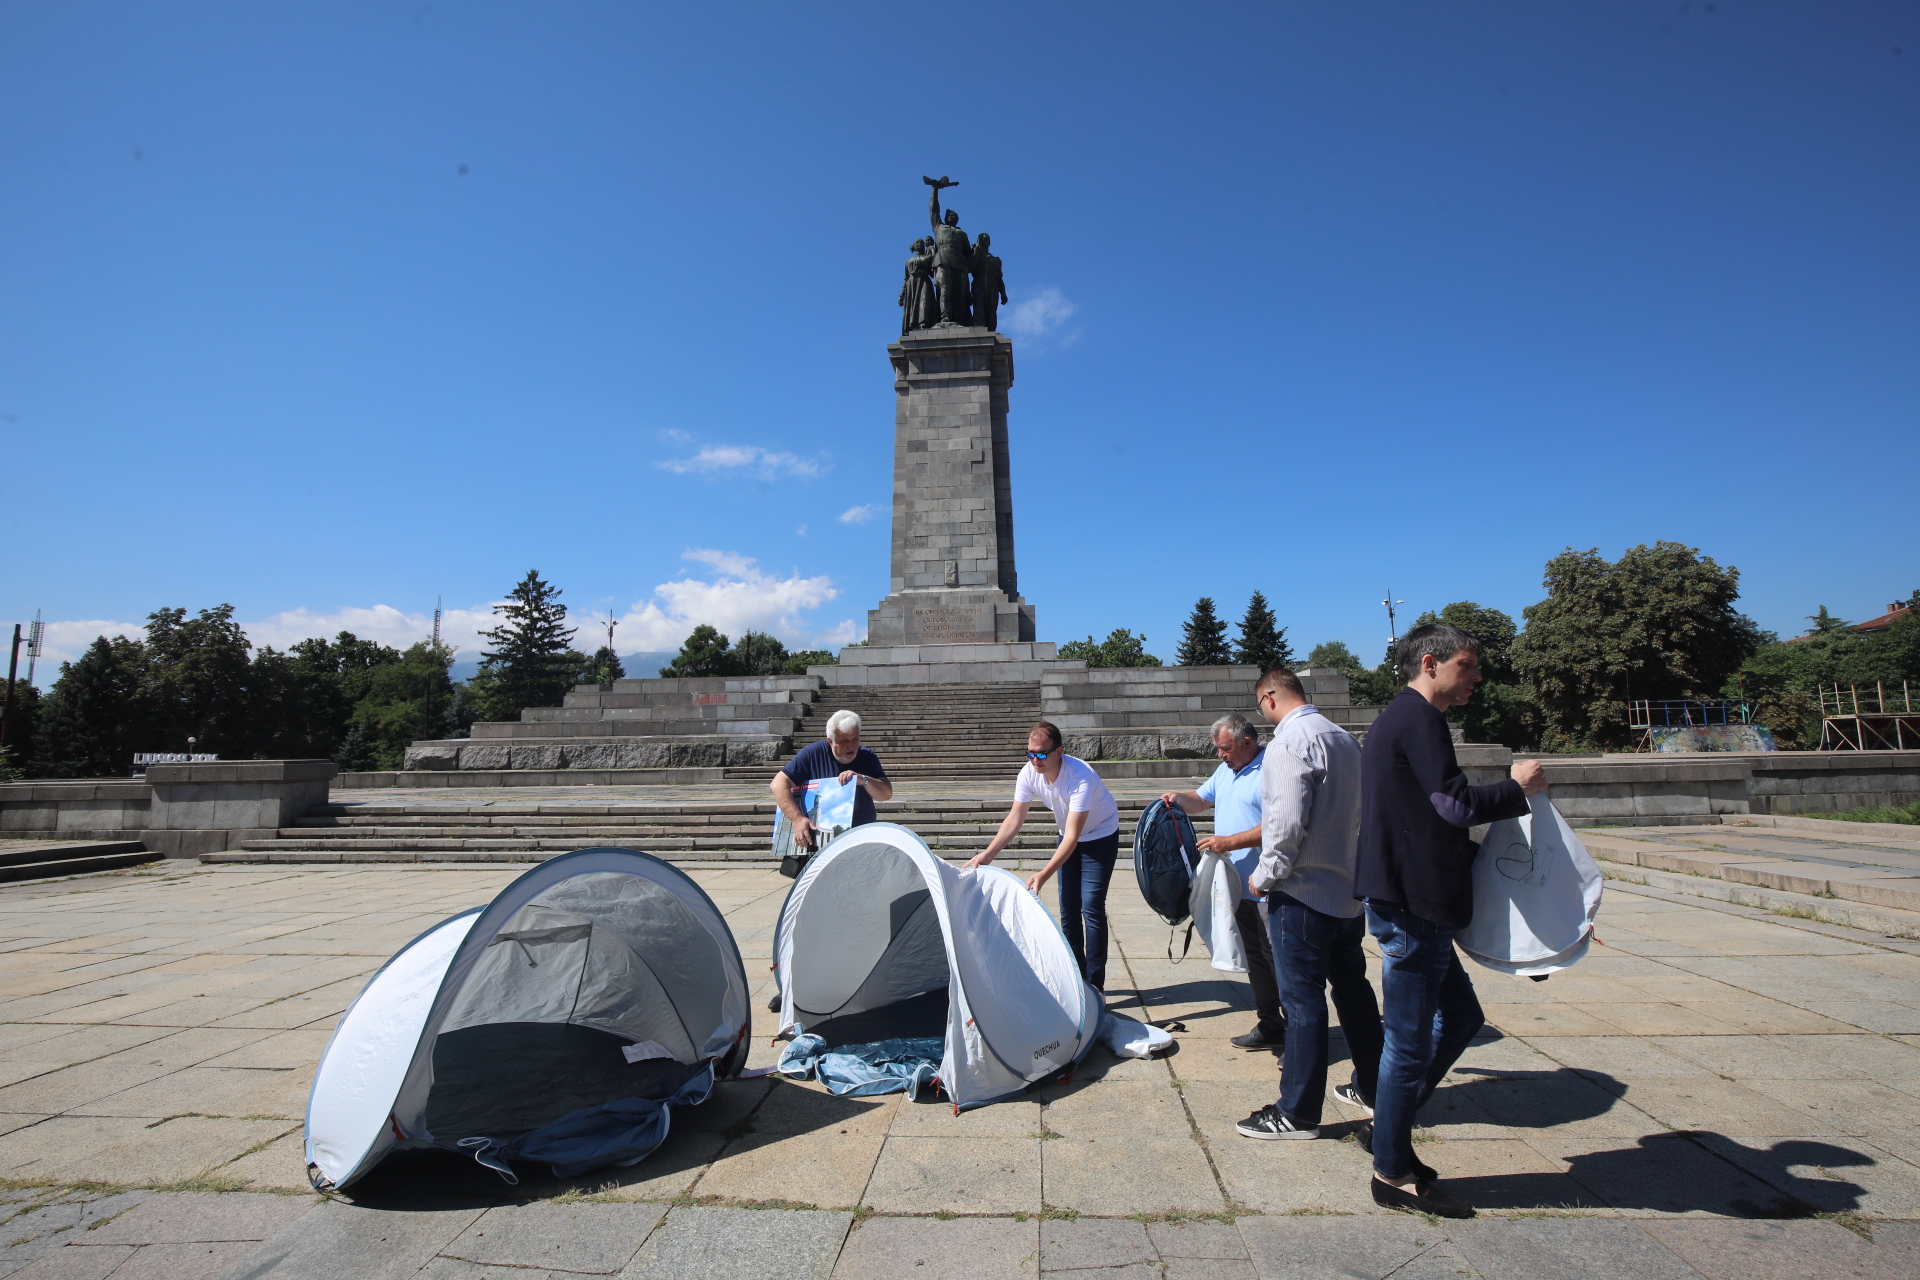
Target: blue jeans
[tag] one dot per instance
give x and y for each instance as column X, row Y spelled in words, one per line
column 1430, row 1015
column 1083, row 904
column 1310, row 951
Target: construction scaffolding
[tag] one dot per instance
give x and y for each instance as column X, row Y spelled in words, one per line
column 1870, row 717
column 1662, row 722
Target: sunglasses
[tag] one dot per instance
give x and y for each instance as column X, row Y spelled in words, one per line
column 1038, row 755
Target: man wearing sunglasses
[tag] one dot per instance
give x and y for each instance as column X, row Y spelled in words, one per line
column 1089, row 824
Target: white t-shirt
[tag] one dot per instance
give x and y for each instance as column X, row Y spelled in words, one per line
column 1079, row 790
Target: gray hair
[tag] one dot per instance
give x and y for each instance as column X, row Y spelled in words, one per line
column 1237, row 725
column 1436, row 638
column 842, row 723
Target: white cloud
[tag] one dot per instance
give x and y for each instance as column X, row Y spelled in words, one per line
column 678, row 437
column 744, row 459
column 739, row 596
column 1042, row 315
column 800, row 532
column 860, row 514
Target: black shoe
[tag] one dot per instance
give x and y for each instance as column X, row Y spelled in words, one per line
column 1423, row 1198
column 1351, row 1096
column 773, row 1003
column 1262, row 1037
column 1271, row 1122
column 1421, row 1169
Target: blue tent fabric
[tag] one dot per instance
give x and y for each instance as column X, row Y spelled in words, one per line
column 865, row 1070
column 623, row 1132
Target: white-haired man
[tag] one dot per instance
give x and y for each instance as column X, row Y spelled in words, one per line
column 838, row 755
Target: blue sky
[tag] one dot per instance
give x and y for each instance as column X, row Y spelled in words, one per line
column 328, row 310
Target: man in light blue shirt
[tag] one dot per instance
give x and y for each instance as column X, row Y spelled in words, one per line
column 1233, row 793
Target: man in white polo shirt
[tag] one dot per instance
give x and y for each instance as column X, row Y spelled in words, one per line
column 1233, row 793
column 1089, row 824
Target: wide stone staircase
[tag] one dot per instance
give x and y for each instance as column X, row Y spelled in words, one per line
column 684, row 831
column 931, row 731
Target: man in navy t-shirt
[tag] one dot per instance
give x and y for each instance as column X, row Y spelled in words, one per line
column 839, row 755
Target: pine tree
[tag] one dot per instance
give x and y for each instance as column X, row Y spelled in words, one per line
column 528, row 663
column 1263, row 642
column 1203, row 640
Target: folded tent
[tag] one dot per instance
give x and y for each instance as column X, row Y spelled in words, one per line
column 880, row 939
column 557, row 1023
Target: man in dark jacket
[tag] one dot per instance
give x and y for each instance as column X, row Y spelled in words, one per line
column 1416, row 875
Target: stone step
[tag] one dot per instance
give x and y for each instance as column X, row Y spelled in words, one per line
column 71, row 858
column 651, row 843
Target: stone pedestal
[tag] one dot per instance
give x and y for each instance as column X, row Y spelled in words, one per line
column 953, row 578
column 205, row 808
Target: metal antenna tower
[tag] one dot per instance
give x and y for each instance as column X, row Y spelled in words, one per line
column 1393, row 627
column 36, row 640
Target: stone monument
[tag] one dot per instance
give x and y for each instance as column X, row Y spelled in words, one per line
column 953, row 578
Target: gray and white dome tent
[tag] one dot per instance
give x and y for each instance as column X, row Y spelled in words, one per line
column 879, row 938
column 559, row 1023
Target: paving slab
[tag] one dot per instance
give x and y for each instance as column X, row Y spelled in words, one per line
column 700, row 1243
column 957, row 1175
column 340, row 1239
column 201, row 1218
column 594, row 1239
column 935, row 1249
column 1737, row 1250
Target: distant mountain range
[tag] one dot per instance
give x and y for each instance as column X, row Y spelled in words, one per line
column 638, row 665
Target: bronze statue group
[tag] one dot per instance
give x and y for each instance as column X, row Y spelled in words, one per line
column 950, row 280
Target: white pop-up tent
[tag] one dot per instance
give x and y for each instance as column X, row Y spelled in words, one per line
column 879, row 938
column 558, row 1023
column 1536, row 892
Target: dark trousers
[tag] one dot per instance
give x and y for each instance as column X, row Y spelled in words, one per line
column 1430, row 1015
column 1251, row 922
column 1313, row 950
column 1083, row 903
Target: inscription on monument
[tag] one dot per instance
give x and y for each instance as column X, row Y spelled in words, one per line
column 950, row 624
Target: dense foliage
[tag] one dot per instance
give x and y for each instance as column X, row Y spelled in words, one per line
column 709, row 653
column 350, row 700
column 1203, row 640
column 1657, row 623
column 1783, row 678
column 1121, row 648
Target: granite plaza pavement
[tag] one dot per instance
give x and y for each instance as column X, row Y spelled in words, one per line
column 1716, row 1092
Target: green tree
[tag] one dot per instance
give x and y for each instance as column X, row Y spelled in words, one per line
column 605, row 667
column 196, row 682
column 1824, row 622
column 1203, row 641
column 93, row 721
column 531, row 662
column 1657, row 623
column 759, row 654
column 1333, row 655
column 1121, row 648
column 1502, row 709
column 797, row 663
column 705, row 653
column 1263, row 641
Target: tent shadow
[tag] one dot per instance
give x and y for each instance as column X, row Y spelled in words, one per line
column 1524, row 1099
column 1216, row 998
column 427, row 1181
column 1675, row 1173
